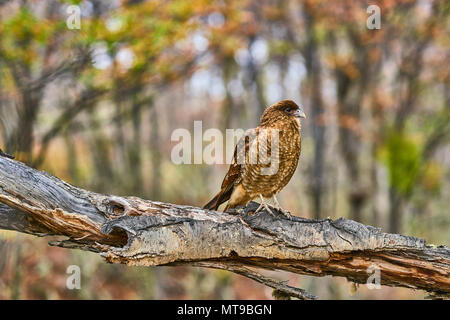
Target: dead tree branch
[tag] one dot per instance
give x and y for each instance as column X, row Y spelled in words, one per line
column 134, row 231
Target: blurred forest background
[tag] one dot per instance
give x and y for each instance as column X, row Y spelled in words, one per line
column 96, row 106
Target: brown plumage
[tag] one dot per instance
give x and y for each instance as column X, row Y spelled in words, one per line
column 246, row 178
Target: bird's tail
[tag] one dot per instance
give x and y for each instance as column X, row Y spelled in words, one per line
column 220, row 198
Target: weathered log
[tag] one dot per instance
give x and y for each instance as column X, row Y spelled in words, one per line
column 134, row 231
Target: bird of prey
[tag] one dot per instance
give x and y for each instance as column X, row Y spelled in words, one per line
column 264, row 159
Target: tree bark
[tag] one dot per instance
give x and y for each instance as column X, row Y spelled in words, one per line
column 134, row 231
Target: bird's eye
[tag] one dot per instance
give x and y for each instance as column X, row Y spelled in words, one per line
column 289, row 110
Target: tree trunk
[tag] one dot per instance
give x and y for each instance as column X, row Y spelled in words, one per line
column 314, row 69
column 395, row 216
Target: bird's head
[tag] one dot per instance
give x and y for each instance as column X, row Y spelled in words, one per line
column 283, row 110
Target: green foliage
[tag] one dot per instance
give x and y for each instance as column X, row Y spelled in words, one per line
column 402, row 156
column 22, row 34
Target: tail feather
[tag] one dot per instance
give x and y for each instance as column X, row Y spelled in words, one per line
column 220, row 198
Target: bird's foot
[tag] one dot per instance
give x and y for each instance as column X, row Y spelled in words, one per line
column 265, row 206
column 285, row 213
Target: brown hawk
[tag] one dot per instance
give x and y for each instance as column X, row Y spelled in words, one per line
column 264, row 160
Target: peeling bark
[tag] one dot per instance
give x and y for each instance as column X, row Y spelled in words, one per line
column 134, row 231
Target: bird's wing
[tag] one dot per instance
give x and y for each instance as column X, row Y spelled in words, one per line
column 240, row 158
column 234, row 174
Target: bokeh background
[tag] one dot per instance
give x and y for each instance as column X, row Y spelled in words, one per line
column 96, row 106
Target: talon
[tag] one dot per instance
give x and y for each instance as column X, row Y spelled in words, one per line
column 287, row 214
column 268, row 210
column 264, row 205
column 259, row 209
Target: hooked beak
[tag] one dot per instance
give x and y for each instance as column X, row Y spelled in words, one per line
column 299, row 114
